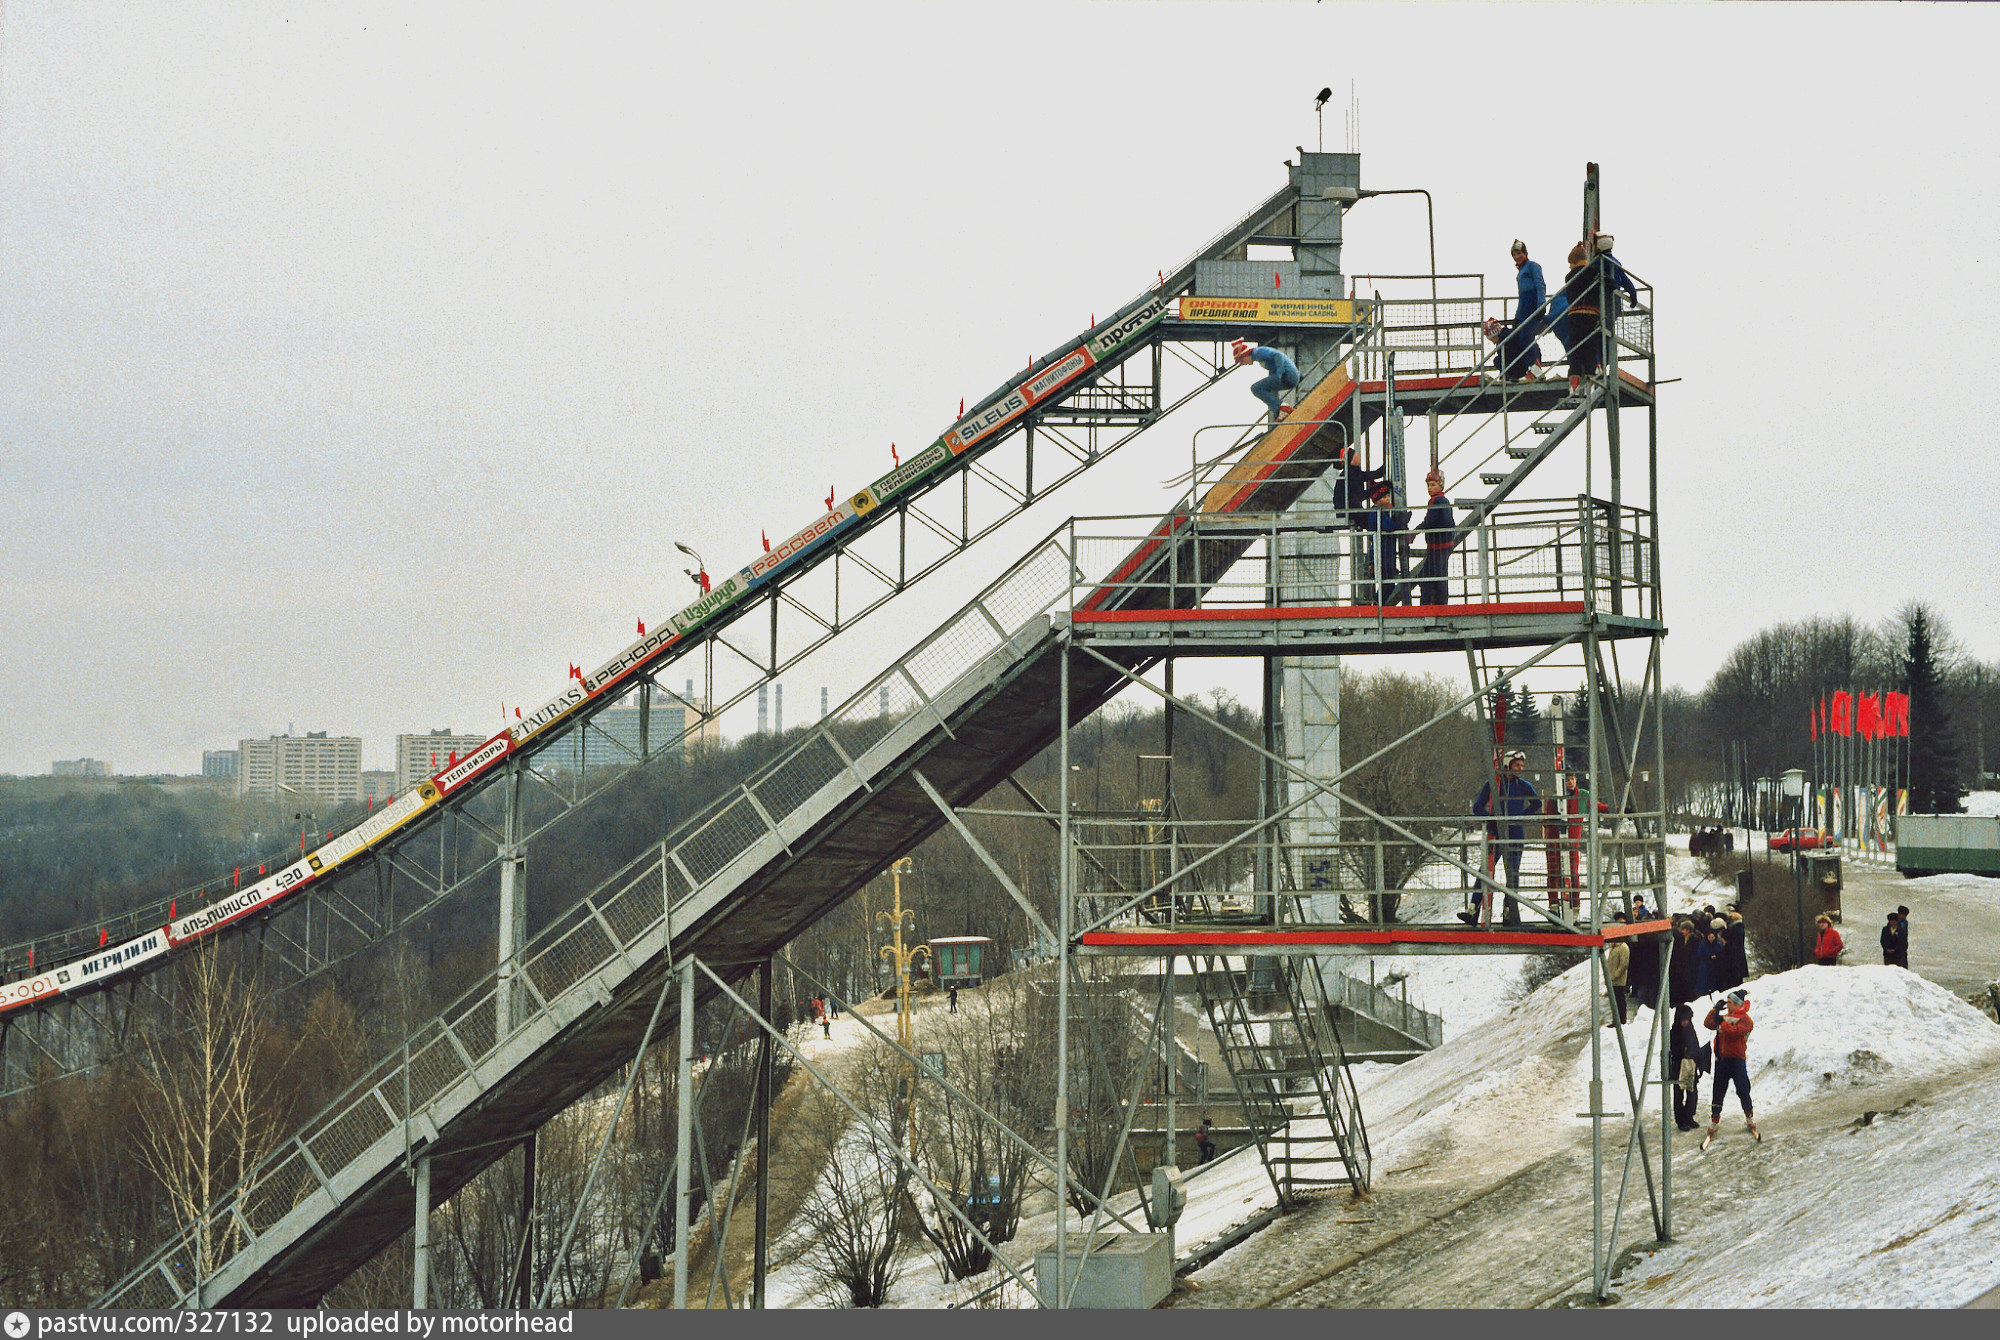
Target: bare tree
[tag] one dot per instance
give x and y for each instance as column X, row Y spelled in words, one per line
column 990, row 1055
column 214, row 1105
column 854, row 1216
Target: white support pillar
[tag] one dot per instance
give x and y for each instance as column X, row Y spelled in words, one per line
column 683, row 1133
column 420, row 1266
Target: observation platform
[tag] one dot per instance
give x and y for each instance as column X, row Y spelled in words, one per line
column 1349, row 938
column 1309, row 630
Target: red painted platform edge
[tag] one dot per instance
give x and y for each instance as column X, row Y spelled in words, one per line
column 1231, row 613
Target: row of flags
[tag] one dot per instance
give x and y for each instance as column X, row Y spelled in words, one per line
column 1872, row 716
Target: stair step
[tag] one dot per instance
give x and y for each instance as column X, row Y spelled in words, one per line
column 1491, row 479
column 1520, row 453
column 1545, row 428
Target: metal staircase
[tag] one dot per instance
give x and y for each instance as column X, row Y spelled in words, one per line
column 1291, row 1076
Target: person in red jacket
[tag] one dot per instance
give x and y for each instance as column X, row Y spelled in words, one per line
column 1826, row 949
column 1730, row 1018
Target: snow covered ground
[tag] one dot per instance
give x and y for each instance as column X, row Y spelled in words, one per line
column 1878, row 1093
column 1877, row 1183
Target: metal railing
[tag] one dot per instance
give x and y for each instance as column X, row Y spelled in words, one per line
column 1391, row 1011
column 1580, row 550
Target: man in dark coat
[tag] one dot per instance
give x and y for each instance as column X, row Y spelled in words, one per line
column 1434, row 585
column 1644, row 973
column 1895, row 951
column 1736, row 951
column 1681, row 968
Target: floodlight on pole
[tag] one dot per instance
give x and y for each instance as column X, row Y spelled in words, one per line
column 1319, row 111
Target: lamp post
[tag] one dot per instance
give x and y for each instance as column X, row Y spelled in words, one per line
column 1351, row 194
column 901, row 959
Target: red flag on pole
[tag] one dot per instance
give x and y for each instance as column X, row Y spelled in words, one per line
column 1843, row 722
column 766, row 539
column 102, row 936
column 829, row 498
column 1277, row 279
column 1864, row 715
column 517, row 714
column 961, row 407
column 893, row 457
column 452, row 762
column 173, row 906
column 260, row 869
column 642, row 628
column 575, row 671
column 236, row 881
column 1899, row 714
column 1814, row 716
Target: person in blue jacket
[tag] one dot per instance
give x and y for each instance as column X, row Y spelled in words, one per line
column 1518, row 349
column 1284, row 374
column 1383, row 526
column 1517, row 798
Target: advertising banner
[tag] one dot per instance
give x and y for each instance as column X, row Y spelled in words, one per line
column 1271, row 311
column 1125, row 329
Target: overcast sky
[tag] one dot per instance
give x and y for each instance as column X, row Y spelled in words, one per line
column 362, row 363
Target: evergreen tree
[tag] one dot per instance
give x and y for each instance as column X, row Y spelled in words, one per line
column 1934, row 781
column 1524, row 720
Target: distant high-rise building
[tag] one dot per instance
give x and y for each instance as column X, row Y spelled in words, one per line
column 220, row 763
column 79, row 767
column 613, row 738
column 419, row 756
column 314, row 765
column 378, row 785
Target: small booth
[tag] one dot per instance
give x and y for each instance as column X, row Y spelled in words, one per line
column 961, row 960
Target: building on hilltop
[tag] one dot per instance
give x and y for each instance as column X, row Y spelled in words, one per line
column 312, row 765
column 419, row 756
column 79, row 767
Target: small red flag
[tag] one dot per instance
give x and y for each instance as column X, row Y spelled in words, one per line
column 260, row 869
column 892, row 456
column 574, row 672
column 1277, row 279
column 1162, row 276
column 237, row 879
column 102, row 936
column 368, row 802
column 829, row 499
column 173, row 905
column 1843, row 720
column 1093, row 321
column 517, row 714
column 452, row 762
column 302, row 844
column 31, row 958
column 642, row 628
column 1813, row 715
column 961, row 407
column 766, row 539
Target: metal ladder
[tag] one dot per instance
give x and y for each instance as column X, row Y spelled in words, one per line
column 1291, row 1077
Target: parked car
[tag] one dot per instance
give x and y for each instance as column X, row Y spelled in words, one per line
column 1803, row 839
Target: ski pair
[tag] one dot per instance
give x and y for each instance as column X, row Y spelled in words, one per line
column 1713, row 1126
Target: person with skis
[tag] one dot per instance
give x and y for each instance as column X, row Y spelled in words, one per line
column 1517, row 798
column 1686, row 1059
column 1827, row 947
column 1283, row 374
column 1730, row 1020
